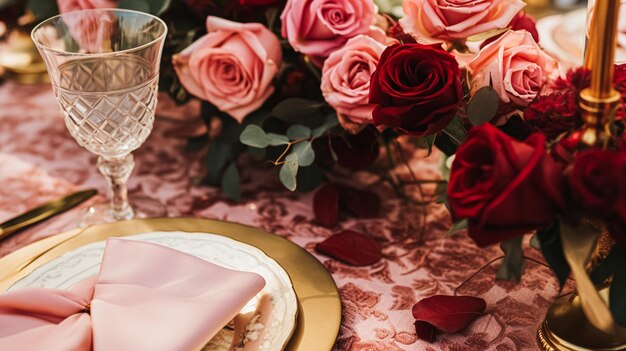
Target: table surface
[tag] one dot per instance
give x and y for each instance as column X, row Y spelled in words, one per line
column 39, row 161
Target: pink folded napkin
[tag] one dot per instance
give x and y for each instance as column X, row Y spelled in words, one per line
column 146, row 297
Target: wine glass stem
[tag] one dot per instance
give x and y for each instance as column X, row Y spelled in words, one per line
column 116, row 171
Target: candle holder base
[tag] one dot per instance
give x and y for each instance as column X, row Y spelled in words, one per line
column 566, row 329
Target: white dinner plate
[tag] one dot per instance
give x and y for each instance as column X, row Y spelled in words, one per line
column 268, row 332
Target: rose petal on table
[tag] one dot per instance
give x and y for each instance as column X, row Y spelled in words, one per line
column 351, row 247
column 326, row 205
column 450, row 314
column 361, row 203
column 425, row 331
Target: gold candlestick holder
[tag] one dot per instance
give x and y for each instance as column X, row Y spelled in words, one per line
column 566, row 327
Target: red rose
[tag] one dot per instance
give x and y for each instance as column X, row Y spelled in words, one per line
column 504, row 187
column 416, row 89
column 554, row 114
column 521, row 21
column 594, row 182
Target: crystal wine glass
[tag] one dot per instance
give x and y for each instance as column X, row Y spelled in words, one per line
column 104, row 69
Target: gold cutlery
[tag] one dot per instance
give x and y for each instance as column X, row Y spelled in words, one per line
column 44, row 212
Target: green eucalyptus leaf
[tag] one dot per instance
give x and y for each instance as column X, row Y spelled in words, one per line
column 289, row 171
column 298, row 131
column 552, row 249
column 457, row 227
column 230, row 182
column 534, row 242
column 277, row 139
column 483, row 106
column 254, row 136
column 330, row 122
column 512, row 266
column 305, row 152
column 487, row 35
column 456, row 131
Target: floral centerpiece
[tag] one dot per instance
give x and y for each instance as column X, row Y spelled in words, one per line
column 318, row 85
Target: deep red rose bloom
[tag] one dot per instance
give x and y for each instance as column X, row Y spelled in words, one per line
column 576, row 80
column 521, row 21
column 594, row 182
column 554, row 114
column 504, row 187
column 416, row 89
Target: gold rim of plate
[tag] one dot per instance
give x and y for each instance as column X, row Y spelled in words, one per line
column 319, row 305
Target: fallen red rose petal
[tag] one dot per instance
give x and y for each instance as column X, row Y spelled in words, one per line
column 326, row 205
column 351, row 247
column 425, row 331
column 449, row 314
column 361, row 203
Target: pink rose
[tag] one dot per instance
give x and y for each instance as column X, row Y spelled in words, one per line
column 318, row 27
column 516, row 66
column 232, row 67
column 91, row 31
column 346, row 80
column 456, row 19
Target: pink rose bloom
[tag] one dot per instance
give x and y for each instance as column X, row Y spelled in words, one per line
column 91, row 33
column 346, row 80
column 318, row 27
column 429, row 20
column 233, row 66
column 516, row 65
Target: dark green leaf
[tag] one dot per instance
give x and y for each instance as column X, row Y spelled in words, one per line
column 456, row 227
column 550, row 243
column 305, row 152
column 277, row 139
column 196, row 143
column 217, row 157
column 309, row 178
column 534, row 242
column 254, row 136
column 296, row 110
column 445, row 144
column 456, row 131
column 6, row 3
column 615, row 261
column 155, row 7
column 298, row 131
column 483, row 106
column 617, row 297
column 289, row 171
column 137, row 5
column 258, row 154
column 230, row 182
column 43, row 9
column 512, row 266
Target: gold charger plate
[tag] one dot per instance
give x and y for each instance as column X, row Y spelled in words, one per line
column 319, row 306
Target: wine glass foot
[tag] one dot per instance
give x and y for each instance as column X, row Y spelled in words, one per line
column 143, row 207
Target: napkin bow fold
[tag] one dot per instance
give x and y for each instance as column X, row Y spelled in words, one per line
column 145, row 297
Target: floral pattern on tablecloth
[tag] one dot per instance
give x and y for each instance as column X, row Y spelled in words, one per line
column 40, row 161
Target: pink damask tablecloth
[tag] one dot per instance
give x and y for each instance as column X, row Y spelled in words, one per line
column 40, row 161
